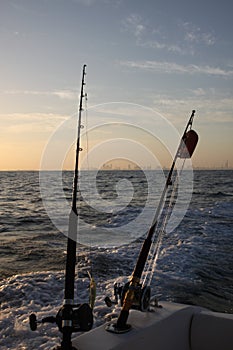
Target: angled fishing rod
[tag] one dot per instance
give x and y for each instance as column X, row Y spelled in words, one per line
column 134, row 295
column 71, row 318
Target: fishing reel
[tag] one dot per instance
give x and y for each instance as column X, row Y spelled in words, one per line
column 141, row 300
column 78, row 317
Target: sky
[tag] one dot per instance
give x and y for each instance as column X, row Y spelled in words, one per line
column 143, row 58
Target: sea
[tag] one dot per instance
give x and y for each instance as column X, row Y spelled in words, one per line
column 194, row 264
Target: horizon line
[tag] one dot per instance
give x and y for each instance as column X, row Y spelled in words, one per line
column 114, row 169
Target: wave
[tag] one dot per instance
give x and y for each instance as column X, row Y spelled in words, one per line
column 220, row 194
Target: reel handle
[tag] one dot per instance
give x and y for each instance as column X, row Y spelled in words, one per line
column 33, row 322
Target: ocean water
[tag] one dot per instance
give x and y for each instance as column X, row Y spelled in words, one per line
column 195, row 263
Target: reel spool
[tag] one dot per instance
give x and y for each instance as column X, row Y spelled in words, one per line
column 82, row 319
column 141, row 300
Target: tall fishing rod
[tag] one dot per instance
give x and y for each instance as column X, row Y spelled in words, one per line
column 134, row 294
column 71, row 318
column 67, row 310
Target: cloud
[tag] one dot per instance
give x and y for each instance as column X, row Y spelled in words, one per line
column 133, row 24
column 188, row 35
column 147, row 36
column 19, row 123
column 62, row 94
column 65, row 94
column 194, row 34
column 219, row 111
column 174, row 68
column 199, row 92
column 175, row 48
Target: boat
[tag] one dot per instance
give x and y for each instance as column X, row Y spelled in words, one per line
column 169, row 326
column 143, row 322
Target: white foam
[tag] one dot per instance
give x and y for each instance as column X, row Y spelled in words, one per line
column 41, row 293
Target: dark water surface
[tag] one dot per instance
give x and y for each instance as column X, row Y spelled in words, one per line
column 196, row 260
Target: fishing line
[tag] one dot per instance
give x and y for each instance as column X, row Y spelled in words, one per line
column 166, row 214
column 87, row 137
column 88, row 255
column 157, row 242
column 88, row 167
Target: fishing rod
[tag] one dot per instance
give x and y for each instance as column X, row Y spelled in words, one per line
column 71, row 318
column 67, row 313
column 133, row 294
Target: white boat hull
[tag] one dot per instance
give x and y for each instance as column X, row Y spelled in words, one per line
column 172, row 327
